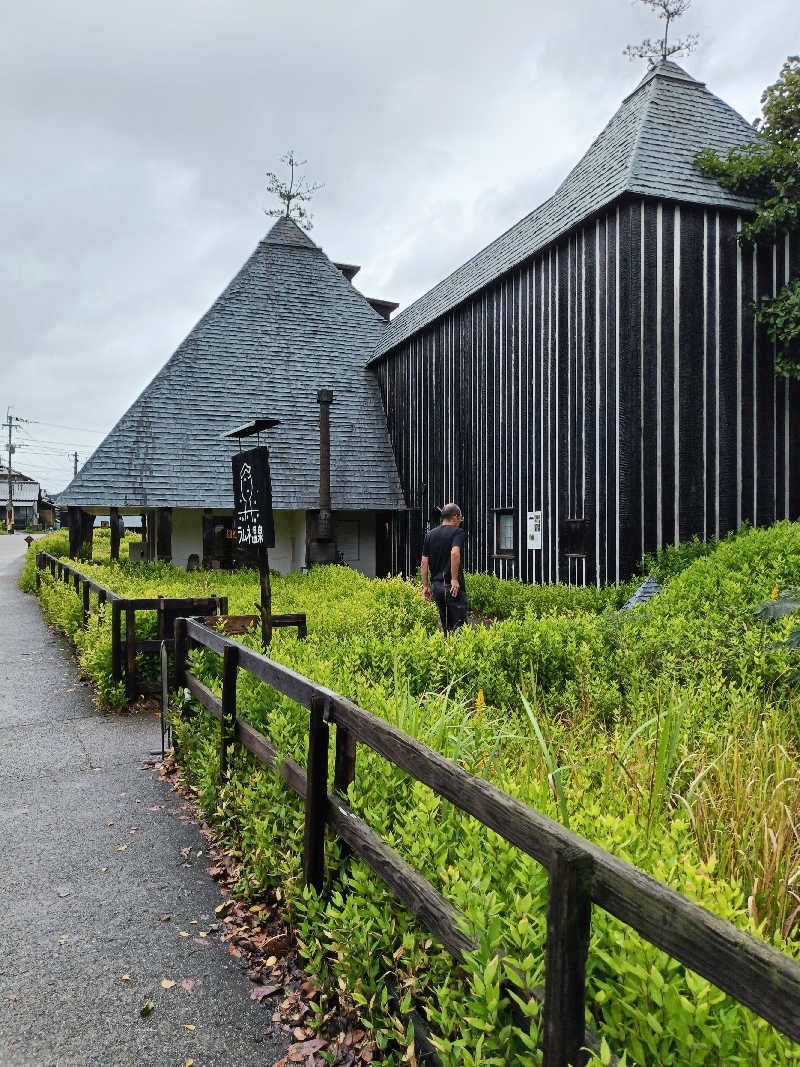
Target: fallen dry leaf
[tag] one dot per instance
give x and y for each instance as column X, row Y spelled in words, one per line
column 104, row 870
column 110, row 823
column 261, row 991
column 146, row 1008
column 297, row 1053
column 167, row 983
column 164, row 918
column 193, row 922
column 183, row 933
column 188, row 984
column 201, row 941
column 188, row 1026
column 122, row 848
column 125, row 978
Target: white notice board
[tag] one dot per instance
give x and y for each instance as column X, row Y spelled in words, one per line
column 534, row 529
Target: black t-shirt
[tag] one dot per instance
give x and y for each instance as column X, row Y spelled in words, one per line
column 436, row 547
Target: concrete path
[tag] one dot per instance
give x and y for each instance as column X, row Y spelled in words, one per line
column 90, row 859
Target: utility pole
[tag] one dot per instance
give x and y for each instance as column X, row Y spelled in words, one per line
column 10, row 421
column 9, row 502
column 75, row 464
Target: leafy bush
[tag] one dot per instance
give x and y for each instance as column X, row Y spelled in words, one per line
column 668, row 734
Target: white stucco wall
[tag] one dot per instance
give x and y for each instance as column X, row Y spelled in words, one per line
column 355, row 539
column 187, row 535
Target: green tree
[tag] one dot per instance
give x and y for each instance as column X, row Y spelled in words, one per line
column 768, row 170
column 294, row 194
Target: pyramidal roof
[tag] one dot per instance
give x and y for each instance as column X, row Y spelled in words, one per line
column 647, row 149
column 288, row 324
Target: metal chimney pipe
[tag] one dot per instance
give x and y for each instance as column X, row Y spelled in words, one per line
column 324, row 399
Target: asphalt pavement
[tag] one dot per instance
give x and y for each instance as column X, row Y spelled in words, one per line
column 92, row 857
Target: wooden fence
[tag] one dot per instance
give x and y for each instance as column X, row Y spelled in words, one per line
column 581, row 875
column 213, row 609
column 124, row 650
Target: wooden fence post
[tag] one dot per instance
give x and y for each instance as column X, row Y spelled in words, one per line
column 180, row 653
column 101, row 597
column 316, row 796
column 344, row 769
column 76, row 581
column 569, row 916
column 227, row 723
column 52, row 567
column 85, row 606
column 130, row 654
column 116, row 650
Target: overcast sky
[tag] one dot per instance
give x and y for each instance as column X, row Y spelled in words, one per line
column 136, row 138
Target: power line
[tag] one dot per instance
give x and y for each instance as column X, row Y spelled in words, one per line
column 58, row 426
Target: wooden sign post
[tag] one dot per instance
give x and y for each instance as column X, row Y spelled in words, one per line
column 254, row 523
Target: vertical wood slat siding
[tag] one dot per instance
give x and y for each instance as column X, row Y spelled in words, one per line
column 617, row 377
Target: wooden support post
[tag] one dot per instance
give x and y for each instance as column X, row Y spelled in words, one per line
column 101, row 598
column 162, row 621
column 316, row 797
column 208, row 538
column 76, row 581
column 180, row 653
column 85, row 607
column 116, row 643
column 152, row 535
column 227, row 724
column 130, row 655
column 65, row 573
column 115, row 532
column 164, row 533
column 344, row 769
column 53, row 568
column 569, row 916
column 74, row 520
column 222, row 605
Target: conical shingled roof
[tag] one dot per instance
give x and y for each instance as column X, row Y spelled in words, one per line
column 647, row 149
column 288, row 324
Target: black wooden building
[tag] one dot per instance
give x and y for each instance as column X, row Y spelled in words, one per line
column 596, row 368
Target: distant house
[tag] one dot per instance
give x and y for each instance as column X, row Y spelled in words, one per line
column 589, row 387
column 289, row 323
column 25, row 495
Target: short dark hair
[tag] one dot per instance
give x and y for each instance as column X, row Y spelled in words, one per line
column 451, row 511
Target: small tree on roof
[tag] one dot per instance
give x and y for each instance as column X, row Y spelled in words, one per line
column 655, row 50
column 294, row 194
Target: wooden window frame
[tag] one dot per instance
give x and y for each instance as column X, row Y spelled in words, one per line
column 505, row 553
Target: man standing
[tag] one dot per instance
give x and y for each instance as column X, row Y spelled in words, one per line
column 442, row 573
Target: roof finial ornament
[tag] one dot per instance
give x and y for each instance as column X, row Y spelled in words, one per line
column 657, row 51
column 294, row 194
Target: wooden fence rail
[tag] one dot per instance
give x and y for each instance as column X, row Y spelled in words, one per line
column 581, row 874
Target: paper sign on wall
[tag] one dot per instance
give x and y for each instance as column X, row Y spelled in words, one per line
column 534, row 529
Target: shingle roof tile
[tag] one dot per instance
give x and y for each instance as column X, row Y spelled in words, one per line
column 287, row 324
column 647, row 148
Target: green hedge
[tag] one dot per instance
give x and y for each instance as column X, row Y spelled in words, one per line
column 669, row 735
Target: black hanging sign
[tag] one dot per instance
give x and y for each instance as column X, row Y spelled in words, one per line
column 252, row 498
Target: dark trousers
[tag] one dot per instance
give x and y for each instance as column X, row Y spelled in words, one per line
column 452, row 610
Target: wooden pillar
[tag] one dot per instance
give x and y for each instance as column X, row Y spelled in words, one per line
column 164, row 533
column 152, row 540
column 74, row 520
column 115, row 532
column 208, row 538
column 87, row 533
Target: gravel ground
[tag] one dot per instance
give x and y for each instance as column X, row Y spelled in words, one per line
column 90, row 860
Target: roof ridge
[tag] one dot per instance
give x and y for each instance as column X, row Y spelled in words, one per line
column 649, row 88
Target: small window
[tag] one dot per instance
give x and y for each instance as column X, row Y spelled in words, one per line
column 504, row 533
